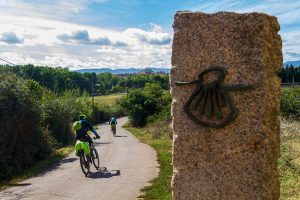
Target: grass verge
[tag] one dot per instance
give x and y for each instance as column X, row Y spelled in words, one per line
column 38, row 167
column 289, row 162
column 160, row 187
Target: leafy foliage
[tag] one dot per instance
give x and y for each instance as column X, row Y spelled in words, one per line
column 290, row 102
column 22, row 141
column 143, row 103
column 59, row 112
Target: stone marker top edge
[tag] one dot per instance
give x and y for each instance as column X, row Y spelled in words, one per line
column 187, row 18
column 186, row 15
column 222, row 13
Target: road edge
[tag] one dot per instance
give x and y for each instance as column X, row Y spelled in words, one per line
column 163, row 179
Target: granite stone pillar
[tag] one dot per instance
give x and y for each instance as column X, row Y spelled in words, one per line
column 225, row 107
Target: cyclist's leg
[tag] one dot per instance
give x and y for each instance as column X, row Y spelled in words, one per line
column 88, row 139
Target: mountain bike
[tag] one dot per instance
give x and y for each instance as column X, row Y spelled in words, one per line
column 88, row 156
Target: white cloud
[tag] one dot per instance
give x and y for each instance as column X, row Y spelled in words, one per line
column 291, row 45
column 156, row 28
column 150, row 37
column 57, row 43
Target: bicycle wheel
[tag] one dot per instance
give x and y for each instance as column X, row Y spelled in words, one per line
column 84, row 164
column 95, row 157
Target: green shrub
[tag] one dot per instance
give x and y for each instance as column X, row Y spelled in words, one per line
column 290, row 102
column 59, row 111
column 163, row 115
column 146, row 104
column 139, row 106
column 22, row 141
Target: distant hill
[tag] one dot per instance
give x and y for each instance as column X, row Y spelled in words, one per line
column 294, row 63
column 122, row 71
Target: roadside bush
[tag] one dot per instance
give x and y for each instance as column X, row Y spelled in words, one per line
column 290, row 102
column 139, row 106
column 142, row 104
column 22, row 141
column 60, row 111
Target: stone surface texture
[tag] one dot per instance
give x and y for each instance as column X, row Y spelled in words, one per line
column 240, row 160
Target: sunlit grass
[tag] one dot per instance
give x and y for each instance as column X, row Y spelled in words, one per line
column 289, row 162
column 107, row 100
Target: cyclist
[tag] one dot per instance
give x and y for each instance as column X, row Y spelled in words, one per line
column 113, row 122
column 82, row 127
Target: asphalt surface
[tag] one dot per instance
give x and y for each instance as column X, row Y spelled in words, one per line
column 126, row 166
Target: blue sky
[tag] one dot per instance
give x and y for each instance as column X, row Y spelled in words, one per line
column 117, row 33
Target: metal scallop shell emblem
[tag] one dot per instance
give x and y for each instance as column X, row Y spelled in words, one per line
column 210, row 105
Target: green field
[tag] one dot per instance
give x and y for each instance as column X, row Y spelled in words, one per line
column 107, row 100
column 106, row 106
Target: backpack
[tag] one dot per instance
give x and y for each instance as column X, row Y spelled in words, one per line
column 113, row 120
column 77, row 125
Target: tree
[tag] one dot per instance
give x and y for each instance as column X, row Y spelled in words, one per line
column 139, row 106
column 142, row 103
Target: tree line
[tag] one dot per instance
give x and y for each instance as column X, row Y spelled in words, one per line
column 289, row 74
column 62, row 79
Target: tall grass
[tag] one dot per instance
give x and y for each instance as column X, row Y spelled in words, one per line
column 290, row 102
column 106, row 106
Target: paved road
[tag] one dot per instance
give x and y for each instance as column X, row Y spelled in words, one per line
column 130, row 166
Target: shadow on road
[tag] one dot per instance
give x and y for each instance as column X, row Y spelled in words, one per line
column 103, row 143
column 121, row 136
column 55, row 166
column 67, row 160
column 104, row 173
column 19, row 184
